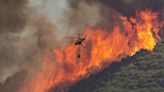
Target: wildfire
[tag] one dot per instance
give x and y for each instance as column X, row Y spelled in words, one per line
column 63, row 68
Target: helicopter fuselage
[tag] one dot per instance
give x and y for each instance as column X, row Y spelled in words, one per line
column 79, row 41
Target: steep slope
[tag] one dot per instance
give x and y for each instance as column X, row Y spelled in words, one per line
column 143, row 72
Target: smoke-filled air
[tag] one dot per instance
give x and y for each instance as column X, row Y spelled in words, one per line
column 37, row 55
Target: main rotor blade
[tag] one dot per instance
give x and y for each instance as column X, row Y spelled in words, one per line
column 71, row 37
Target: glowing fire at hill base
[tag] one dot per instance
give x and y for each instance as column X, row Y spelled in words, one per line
column 63, row 68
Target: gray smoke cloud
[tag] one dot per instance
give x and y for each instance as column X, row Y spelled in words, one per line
column 12, row 20
column 25, row 33
column 28, row 27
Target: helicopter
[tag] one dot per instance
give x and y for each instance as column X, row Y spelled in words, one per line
column 78, row 41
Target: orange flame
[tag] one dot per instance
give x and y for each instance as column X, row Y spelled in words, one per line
column 102, row 48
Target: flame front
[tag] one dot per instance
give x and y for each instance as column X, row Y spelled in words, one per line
column 102, row 47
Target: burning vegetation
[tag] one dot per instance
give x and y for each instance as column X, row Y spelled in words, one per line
column 35, row 53
column 62, row 68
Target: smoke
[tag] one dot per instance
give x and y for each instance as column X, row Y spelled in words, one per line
column 25, row 33
column 29, row 27
column 12, row 21
column 124, row 7
column 90, row 13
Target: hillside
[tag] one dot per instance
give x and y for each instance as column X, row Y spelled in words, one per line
column 143, row 72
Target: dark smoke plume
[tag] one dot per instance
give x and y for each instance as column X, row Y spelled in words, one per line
column 106, row 7
column 23, row 39
column 12, row 21
column 125, row 7
column 13, row 17
column 28, row 27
